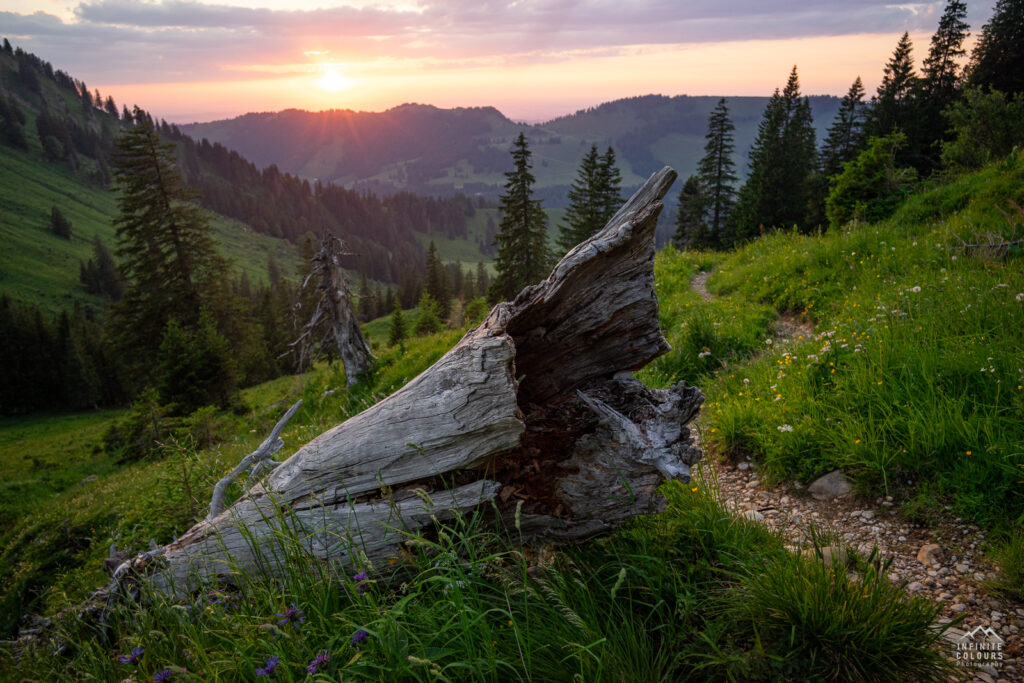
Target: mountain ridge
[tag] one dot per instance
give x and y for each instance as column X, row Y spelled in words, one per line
column 427, row 149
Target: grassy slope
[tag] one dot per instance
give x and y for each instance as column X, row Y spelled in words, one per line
column 39, row 268
column 914, row 382
column 921, row 376
column 691, row 592
column 467, row 250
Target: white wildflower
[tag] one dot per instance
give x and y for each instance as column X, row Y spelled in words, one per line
column 1020, row 297
column 915, row 289
column 785, row 428
column 769, row 341
column 703, row 354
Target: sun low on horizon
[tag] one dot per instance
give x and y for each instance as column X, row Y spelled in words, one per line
column 331, row 80
column 195, row 60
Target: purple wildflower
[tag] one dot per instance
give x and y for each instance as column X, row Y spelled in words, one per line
column 268, row 668
column 162, row 676
column 133, row 657
column 292, row 615
column 318, row 661
column 361, row 580
column 359, row 636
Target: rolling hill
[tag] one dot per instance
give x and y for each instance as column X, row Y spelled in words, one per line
column 424, row 149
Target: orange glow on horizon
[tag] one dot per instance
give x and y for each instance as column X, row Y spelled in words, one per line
column 528, row 87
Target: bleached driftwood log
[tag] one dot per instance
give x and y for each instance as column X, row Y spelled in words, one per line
column 536, row 406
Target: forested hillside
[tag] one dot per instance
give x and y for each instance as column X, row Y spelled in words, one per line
column 63, row 269
column 424, row 149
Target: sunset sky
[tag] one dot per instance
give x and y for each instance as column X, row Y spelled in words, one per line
column 195, row 61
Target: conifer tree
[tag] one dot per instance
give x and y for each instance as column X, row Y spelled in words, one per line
column 364, row 307
column 716, row 172
column 429, row 320
column 777, row 193
column 168, row 260
column 997, row 61
column 483, row 279
column 892, row 108
column 396, row 333
column 609, row 187
column 939, row 86
column 436, row 284
column 691, row 227
column 194, row 366
column 845, row 136
column 941, row 71
column 584, row 216
column 522, row 237
column 99, row 274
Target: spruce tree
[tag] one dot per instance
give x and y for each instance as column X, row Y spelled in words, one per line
column 483, row 279
column 892, row 108
column 429, row 320
column 717, row 174
column 939, row 86
column 99, row 274
column 777, row 193
column 584, row 216
column 845, row 136
column 691, row 227
column 522, row 237
column 396, row 334
column 436, row 284
column 941, row 71
column 609, row 187
column 168, row 260
column 997, row 61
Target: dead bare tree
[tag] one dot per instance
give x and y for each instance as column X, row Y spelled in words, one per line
column 333, row 310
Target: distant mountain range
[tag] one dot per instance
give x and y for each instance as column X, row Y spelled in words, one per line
column 423, row 149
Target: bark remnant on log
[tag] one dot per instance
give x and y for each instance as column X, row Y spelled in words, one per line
column 575, row 440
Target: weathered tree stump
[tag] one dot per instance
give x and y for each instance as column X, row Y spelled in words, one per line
column 536, row 407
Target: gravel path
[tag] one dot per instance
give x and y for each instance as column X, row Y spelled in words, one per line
column 941, row 562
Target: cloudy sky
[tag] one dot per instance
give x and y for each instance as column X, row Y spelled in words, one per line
column 190, row 60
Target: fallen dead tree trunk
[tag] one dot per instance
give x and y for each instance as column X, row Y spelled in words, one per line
column 535, row 407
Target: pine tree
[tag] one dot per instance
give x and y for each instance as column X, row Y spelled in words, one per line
column 584, row 216
column 194, row 366
column 522, row 237
column 717, row 174
column 691, row 227
column 169, row 262
column 997, row 61
column 429, row 320
column 436, row 284
column 845, row 136
column 939, row 87
column 99, row 274
column 396, row 334
column 483, row 279
column 609, row 187
column 364, row 307
column 777, row 193
column 892, row 108
column 941, row 67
